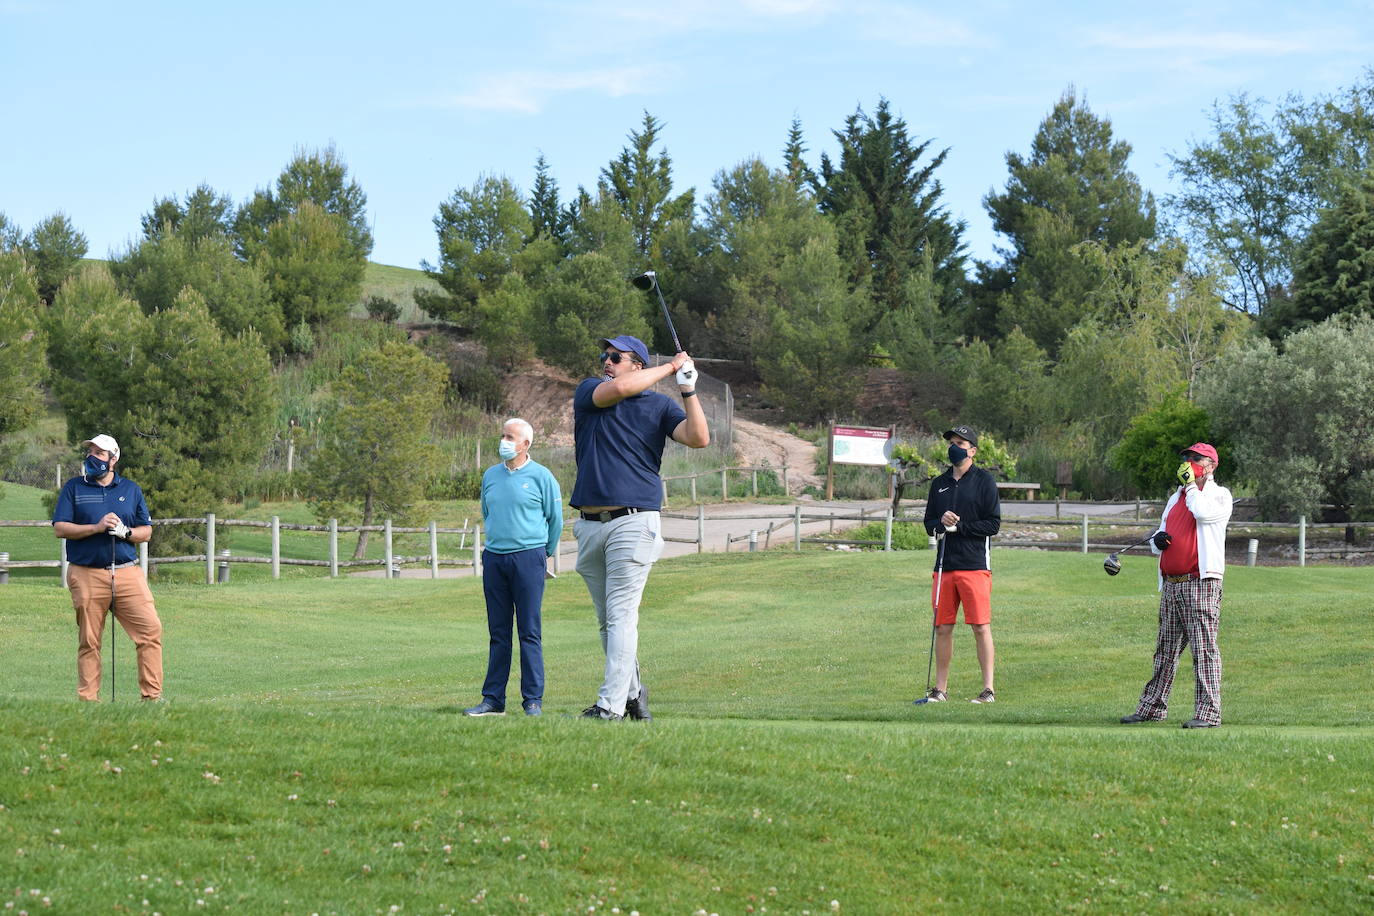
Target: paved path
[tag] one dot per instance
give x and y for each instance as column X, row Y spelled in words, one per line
column 737, row 519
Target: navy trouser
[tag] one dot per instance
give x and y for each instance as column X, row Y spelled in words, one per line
column 514, row 587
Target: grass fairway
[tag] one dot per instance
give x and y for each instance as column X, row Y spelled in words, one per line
column 313, row 757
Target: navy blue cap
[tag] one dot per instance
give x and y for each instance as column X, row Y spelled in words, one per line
column 633, row 344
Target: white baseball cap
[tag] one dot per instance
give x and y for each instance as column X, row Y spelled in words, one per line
column 105, row 442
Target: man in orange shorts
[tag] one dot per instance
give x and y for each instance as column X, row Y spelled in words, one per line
column 964, row 511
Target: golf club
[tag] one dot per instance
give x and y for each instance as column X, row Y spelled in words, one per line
column 1113, row 562
column 112, row 618
column 934, row 612
column 649, row 280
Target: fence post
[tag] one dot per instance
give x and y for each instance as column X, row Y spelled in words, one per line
column 754, row 481
column 724, row 487
column 210, row 548
column 59, row 476
column 1085, row 532
column 1251, row 551
column 433, row 549
column 665, row 490
column 334, row 548
column 1302, row 540
column 62, row 555
column 887, row 530
column 1137, row 508
column 386, row 541
column 558, row 554
column 796, row 527
column 784, row 480
column 701, row 526
column 477, row 550
column 276, row 547
column 143, row 557
column 223, row 576
column 4, row 569
column 753, row 540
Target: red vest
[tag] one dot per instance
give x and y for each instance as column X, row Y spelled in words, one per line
column 1181, row 557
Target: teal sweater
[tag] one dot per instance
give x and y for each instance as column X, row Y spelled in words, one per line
column 522, row 509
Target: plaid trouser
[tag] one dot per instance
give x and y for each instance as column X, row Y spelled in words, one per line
column 1188, row 615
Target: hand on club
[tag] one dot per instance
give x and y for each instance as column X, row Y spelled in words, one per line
column 687, row 376
column 121, row 531
column 1162, row 540
column 950, row 520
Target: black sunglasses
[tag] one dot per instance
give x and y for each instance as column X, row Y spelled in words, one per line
column 615, row 357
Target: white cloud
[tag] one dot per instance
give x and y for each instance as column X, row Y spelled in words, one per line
column 529, row 91
column 1218, row 43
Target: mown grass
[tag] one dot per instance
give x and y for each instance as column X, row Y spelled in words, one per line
column 312, row 757
column 397, row 284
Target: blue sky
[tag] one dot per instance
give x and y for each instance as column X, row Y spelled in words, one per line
column 109, row 106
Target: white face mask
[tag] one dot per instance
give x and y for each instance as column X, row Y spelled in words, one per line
column 506, row 450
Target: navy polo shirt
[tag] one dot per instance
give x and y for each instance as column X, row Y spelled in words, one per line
column 620, row 448
column 85, row 503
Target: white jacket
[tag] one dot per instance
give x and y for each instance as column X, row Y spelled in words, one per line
column 1211, row 507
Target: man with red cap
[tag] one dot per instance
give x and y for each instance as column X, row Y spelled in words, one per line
column 1191, row 546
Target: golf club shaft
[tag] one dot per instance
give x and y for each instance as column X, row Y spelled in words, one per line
column 677, row 345
column 935, row 604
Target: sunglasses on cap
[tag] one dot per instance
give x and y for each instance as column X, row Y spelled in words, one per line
column 615, row 357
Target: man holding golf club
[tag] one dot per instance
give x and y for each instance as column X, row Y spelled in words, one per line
column 620, row 429
column 1191, row 546
column 522, row 513
column 101, row 516
column 963, row 511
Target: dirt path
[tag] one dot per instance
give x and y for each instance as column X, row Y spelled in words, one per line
column 756, row 444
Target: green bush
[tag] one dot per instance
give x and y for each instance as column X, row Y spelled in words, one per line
column 455, row 484
column 905, row 535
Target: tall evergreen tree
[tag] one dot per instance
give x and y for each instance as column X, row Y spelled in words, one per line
column 547, row 219
column 1073, row 187
column 53, row 249
column 642, row 184
column 481, row 230
column 206, row 214
column 891, row 222
column 1335, row 270
column 318, row 177
column 22, row 365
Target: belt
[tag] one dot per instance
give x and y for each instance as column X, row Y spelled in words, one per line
column 1187, row 577
column 109, row 566
column 609, row 514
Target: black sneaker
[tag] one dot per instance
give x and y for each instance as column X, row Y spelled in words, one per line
column 597, row 712
column 987, row 696
column 637, row 708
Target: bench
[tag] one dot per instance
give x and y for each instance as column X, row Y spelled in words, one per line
column 1030, row 488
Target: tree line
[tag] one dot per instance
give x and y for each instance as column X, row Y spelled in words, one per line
column 1106, row 318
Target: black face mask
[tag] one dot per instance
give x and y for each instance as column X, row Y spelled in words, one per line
column 957, row 454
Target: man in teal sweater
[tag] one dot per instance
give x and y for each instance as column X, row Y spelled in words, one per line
column 522, row 515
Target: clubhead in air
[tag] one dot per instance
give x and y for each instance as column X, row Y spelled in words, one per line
column 1112, row 564
column 645, row 280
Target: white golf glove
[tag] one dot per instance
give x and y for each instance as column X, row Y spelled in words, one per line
column 687, row 375
column 120, row 531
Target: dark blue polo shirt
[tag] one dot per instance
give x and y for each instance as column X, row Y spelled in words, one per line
column 620, row 448
column 85, row 503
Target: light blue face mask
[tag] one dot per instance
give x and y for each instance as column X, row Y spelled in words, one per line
column 506, row 449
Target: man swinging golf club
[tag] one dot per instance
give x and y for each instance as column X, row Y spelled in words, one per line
column 620, row 429
column 1191, row 546
column 964, row 510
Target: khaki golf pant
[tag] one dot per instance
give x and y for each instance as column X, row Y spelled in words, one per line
column 93, row 593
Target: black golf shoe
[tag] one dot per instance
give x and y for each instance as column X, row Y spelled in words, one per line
column 637, row 708
column 1200, row 723
column 598, row 712
column 1135, row 717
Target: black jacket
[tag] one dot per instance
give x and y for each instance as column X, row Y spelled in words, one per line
column 974, row 499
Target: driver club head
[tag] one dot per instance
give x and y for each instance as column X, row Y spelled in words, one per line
column 1112, row 564
column 645, row 280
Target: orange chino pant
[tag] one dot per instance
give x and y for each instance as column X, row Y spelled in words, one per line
column 92, row 590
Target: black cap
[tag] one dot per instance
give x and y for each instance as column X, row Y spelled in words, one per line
column 963, row 431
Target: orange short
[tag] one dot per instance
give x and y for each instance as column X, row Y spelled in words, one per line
column 970, row 587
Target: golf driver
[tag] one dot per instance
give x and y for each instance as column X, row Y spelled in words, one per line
column 934, row 611
column 1113, row 562
column 649, row 280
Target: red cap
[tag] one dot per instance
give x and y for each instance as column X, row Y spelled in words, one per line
column 1203, row 449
